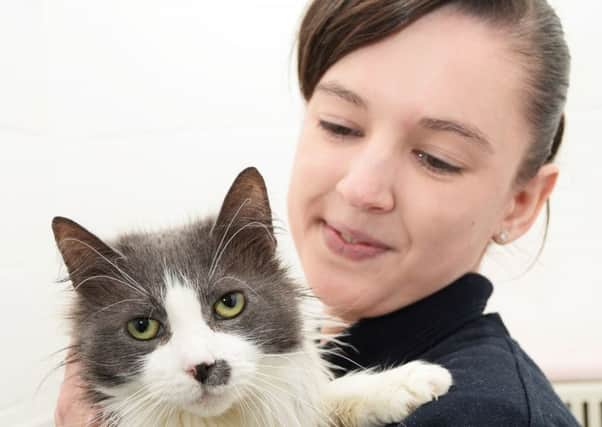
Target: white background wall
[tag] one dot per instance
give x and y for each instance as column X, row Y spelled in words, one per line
column 138, row 113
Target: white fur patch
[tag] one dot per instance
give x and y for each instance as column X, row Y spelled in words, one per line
column 192, row 342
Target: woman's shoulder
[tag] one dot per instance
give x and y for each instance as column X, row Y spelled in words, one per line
column 495, row 382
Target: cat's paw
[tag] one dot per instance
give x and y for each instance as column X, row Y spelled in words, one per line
column 405, row 388
column 425, row 381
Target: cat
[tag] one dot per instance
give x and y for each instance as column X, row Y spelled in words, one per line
column 201, row 326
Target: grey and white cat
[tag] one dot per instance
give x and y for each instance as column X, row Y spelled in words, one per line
column 201, row 326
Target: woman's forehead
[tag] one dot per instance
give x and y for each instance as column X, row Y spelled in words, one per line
column 444, row 65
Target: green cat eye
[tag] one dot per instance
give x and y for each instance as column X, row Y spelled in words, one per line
column 143, row 329
column 230, row 305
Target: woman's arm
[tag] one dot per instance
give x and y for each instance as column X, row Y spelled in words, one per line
column 71, row 409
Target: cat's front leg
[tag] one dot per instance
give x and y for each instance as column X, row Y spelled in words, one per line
column 371, row 399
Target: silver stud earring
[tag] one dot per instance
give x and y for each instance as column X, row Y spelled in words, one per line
column 502, row 237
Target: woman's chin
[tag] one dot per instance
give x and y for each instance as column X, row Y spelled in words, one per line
column 340, row 301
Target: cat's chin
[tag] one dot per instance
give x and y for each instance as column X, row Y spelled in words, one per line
column 210, row 404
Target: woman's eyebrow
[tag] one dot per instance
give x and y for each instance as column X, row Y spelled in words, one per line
column 338, row 90
column 470, row 133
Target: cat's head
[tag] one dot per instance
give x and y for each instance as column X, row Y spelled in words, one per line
column 185, row 316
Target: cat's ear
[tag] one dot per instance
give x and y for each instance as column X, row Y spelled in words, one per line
column 82, row 251
column 246, row 214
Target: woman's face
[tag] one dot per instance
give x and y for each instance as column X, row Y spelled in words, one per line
column 406, row 162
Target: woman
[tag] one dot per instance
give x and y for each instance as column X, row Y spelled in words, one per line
column 430, row 131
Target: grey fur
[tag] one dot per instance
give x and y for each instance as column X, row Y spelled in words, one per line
column 124, row 280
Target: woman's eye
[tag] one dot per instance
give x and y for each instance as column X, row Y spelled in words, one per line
column 230, row 305
column 143, row 329
column 339, row 130
column 435, row 164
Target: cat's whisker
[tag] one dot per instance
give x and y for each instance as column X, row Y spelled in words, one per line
column 266, row 379
column 123, row 301
column 66, row 348
column 262, row 405
column 57, row 366
column 115, row 361
column 339, row 354
column 114, row 279
column 242, row 228
column 108, row 261
column 242, row 204
column 288, row 368
column 258, row 413
column 239, row 398
column 145, row 395
column 265, row 224
column 99, row 418
column 242, row 282
column 271, row 396
column 285, row 355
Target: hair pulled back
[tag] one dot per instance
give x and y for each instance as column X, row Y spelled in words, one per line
column 332, row 29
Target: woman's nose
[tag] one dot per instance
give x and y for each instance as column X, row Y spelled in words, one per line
column 368, row 183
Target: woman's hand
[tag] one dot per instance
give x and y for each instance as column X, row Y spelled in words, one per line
column 71, row 409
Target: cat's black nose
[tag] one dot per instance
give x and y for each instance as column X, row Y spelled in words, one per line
column 212, row 374
column 202, row 372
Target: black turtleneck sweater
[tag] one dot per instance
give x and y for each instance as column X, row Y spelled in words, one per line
column 495, row 383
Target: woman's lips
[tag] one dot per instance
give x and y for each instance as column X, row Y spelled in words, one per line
column 351, row 244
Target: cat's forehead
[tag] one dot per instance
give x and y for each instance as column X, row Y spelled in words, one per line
column 195, row 253
column 186, row 248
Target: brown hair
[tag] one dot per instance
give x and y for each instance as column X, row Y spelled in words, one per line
column 332, row 29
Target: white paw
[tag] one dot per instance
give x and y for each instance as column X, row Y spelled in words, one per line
column 401, row 390
column 425, row 381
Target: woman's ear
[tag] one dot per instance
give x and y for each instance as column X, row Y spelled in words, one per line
column 526, row 204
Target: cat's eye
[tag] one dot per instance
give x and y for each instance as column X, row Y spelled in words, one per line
column 143, row 329
column 230, row 305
